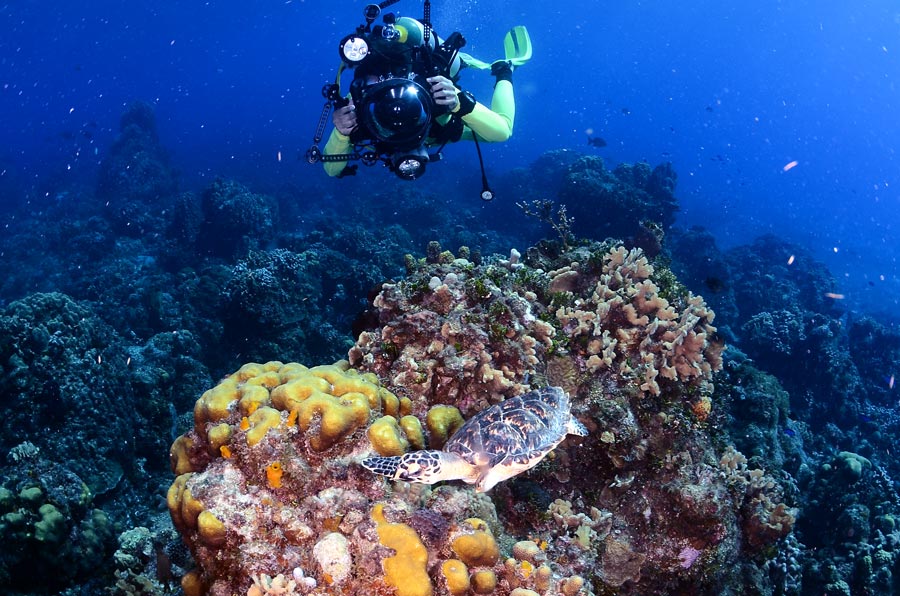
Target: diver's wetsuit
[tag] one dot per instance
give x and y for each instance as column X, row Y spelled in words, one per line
column 494, row 124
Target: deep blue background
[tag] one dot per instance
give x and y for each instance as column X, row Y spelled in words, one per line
column 729, row 92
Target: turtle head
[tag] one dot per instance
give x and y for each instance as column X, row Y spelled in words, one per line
column 417, row 466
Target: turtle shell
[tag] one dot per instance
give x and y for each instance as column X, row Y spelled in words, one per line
column 518, row 431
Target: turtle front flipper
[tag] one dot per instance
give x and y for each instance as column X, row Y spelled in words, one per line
column 383, row 466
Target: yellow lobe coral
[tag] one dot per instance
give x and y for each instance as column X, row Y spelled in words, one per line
column 338, row 417
column 478, row 549
column 292, row 393
column 260, row 422
column 248, row 371
column 274, row 471
column 252, row 397
column 406, row 569
column 291, row 371
column 484, row 581
column 329, row 372
column 349, row 384
column 442, row 422
column 270, row 378
column 211, row 529
column 219, row 436
column 179, row 455
column 191, row 584
column 190, row 508
column 390, row 404
column 173, row 501
column 386, row 437
column 413, row 429
column 457, row 575
column 213, row 405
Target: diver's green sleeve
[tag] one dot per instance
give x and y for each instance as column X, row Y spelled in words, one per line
column 495, row 124
column 338, row 144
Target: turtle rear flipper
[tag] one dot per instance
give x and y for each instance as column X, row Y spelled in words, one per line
column 574, row 427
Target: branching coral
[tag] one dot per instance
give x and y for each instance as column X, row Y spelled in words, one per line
column 628, row 327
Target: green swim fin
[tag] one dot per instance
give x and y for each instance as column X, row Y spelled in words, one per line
column 516, row 46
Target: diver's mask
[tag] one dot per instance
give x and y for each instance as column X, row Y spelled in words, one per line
column 397, row 113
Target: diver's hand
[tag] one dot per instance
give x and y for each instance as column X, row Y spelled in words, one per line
column 345, row 119
column 444, row 92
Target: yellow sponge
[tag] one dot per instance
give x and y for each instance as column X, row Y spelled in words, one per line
column 191, row 584
column 406, row 570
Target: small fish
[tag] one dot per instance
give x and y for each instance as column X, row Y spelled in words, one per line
column 597, row 142
column 790, row 432
column 709, row 108
column 626, row 111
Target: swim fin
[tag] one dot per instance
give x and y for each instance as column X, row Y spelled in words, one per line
column 516, row 47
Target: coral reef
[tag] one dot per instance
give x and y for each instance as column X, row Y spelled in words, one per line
column 47, row 521
column 637, row 203
column 63, row 371
column 135, row 177
column 268, row 480
column 235, row 220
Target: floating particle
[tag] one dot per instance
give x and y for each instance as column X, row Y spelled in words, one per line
column 790, row 166
column 891, row 382
column 834, row 296
column 791, row 260
column 279, row 156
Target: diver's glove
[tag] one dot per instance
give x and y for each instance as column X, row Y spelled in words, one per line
column 502, row 70
column 466, row 103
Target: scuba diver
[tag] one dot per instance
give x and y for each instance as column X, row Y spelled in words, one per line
column 403, row 98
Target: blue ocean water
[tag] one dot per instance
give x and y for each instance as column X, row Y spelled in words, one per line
column 779, row 117
column 730, row 93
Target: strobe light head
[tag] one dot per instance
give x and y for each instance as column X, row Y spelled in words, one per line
column 354, row 49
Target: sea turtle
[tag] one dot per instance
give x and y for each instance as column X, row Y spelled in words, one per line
column 495, row 444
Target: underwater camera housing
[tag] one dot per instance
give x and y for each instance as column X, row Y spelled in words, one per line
column 394, row 106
